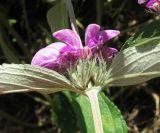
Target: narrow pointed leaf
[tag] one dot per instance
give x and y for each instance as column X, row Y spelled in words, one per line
column 25, row 78
column 135, row 65
column 147, row 34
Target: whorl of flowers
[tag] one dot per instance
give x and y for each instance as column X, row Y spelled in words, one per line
column 60, row 56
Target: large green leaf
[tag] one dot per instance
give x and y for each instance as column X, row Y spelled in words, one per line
column 25, row 78
column 81, row 106
column 147, row 34
column 111, row 116
column 57, row 17
column 112, row 119
column 135, row 65
column 63, row 114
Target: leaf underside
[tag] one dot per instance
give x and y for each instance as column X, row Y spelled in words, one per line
column 139, row 59
column 135, row 65
column 25, row 78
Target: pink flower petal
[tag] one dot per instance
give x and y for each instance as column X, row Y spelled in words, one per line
column 67, row 49
column 91, row 35
column 69, row 37
column 150, row 3
column 141, row 1
column 154, row 5
column 57, row 56
column 107, row 35
column 108, row 53
column 96, row 38
column 86, row 53
column 69, row 58
column 48, row 57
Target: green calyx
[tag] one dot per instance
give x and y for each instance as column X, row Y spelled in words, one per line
column 89, row 74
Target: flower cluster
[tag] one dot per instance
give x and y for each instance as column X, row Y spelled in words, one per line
column 61, row 55
column 151, row 4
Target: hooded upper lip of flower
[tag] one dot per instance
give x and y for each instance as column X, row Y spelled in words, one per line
column 72, row 49
column 93, row 37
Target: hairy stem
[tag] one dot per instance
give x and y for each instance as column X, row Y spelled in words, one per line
column 72, row 15
column 93, row 98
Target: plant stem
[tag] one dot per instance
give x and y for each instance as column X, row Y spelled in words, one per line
column 72, row 15
column 93, row 98
column 99, row 12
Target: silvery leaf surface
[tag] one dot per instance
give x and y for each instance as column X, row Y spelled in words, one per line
column 26, row 78
column 135, row 65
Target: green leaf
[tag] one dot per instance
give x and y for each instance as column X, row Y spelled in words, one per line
column 112, row 119
column 25, row 78
column 148, row 34
column 63, row 114
column 57, row 17
column 81, row 106
column 111, row 116
column 135, row 65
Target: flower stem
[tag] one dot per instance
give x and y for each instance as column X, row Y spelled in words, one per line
column 93, row 98
column 72, row 15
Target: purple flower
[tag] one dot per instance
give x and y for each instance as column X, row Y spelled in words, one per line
column 109, row 53
column 154, row 5
column 59, row 56
column 151, row 4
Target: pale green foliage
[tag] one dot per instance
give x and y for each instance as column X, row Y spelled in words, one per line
column 25, row 78
column 140, row 61
column 135, row 65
